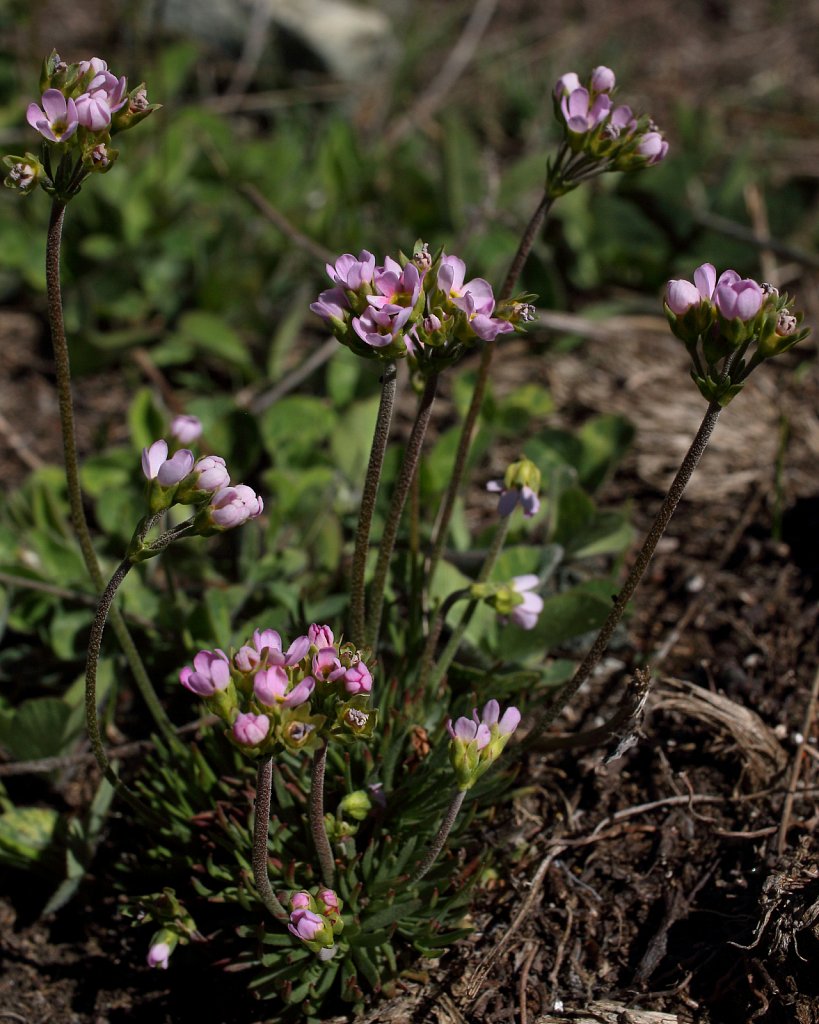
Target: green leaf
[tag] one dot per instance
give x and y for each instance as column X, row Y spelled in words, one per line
column 212, row 334
column 27, row 837
column 40, row 727
column 605, row 441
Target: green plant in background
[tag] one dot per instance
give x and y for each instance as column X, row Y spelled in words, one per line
column 364, row 750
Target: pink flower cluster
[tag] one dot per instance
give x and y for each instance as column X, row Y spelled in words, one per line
column 180, row 478
column 266, row 692
column 478, row 741
column 412, row 309
column 734, row 297
column 315, row 919
column 102, row 95
column 596, row 126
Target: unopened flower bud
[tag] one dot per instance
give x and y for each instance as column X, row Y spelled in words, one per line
column 186, row 429
column 421, row 257
column 786, row 324
column 356, row 805
column 769, row 290
column 99, row 155
column 139, row 101
column 250, row 730
column 602, row 79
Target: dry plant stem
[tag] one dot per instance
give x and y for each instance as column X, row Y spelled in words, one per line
column 318, row 829
column 261, row 827
column 72, row 474
column 409, row 465
column 454, row 641
column 368, row 499
column 658, row 527
column 438, row 842
column 468, row 428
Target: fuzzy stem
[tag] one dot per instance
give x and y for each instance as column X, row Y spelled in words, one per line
column 661, row 521
column 454, row 642
column 399, row 497
column 368, row 499
column 72, row 474
column 317, row 827
column 438, row 842
column 261, row 828
column 468, row 428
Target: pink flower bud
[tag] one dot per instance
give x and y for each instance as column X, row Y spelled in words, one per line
column 232, row 506
column 213, row 474
column 357, row 679
column 566, row 83
column 738, row 300
column 158, row 955
column 602, row 79
column 328, row 898
column 526, row 614
column 305, row 925
column 186, row 429
column 300, row 900
column 320, row 636
column 680, row 296
column 653, row 147
column 250, row 729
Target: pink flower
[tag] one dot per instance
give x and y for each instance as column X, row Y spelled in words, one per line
column 300, row 900
column 305, row 925
column 580, row 113
column 491, row 716
column 185, row 429
column 526, row 614
column 157, row 466
column 740, row 299
column 349, row 272
column 104, row 96
column 357, row 679
column 326, row 664
column 213, row 474
column 58, row 119
column 210, row 673
column 271, row 685
column 158, row 955
column 328, row 898
column 566, row 84
column 267, row 645
column 320, row 636
column 331, row 304
column 681, row 295
column 232, row 506
column 602, row 79
column 469, row 731
column 250, row 729
column 653, row 147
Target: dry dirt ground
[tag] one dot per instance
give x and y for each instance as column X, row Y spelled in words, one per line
column 680, row 882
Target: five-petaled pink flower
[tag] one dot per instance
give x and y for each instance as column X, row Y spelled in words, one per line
column 166, row 471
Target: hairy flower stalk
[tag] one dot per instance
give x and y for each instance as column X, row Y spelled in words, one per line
column 368, row 499
column 409, row 465
column 261, row 827
column 318, row 829
column 441, row 837
column 72, row 474
column 658, row 527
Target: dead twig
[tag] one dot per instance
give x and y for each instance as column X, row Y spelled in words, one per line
column 524, row 981
column 483, row 968
column 796, row 767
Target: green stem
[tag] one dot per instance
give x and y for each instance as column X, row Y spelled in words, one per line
column 399, row 497
column 72, row 474
column 658, row 527
column 368, row 499
column 261, row 828
column 454, row 641
column 468, row 428
column 431, row 645
column 438, row 842
column 318, row 829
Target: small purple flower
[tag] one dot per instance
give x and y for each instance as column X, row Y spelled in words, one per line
column 738, row 299
column 251, row 730
column 232, row 506
column 213, row 474
column 166, row 471
column 349, row 272
column 331, row 305
column 104, row 96
column 58, row 119
column 270, row 686
column 566, row 84
column 186, row 429
column 602, row 79
column 320, row 636
column 357, row 679
column 381, row 327
column 653, row 147
column 265, row 642
column 305, row 925
column 491, row 716
column 526, row 614
column 469, row 731
column 210, row 673
column 158, row 955
column 509, row 499
column 581, row 113
column 326, row 665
